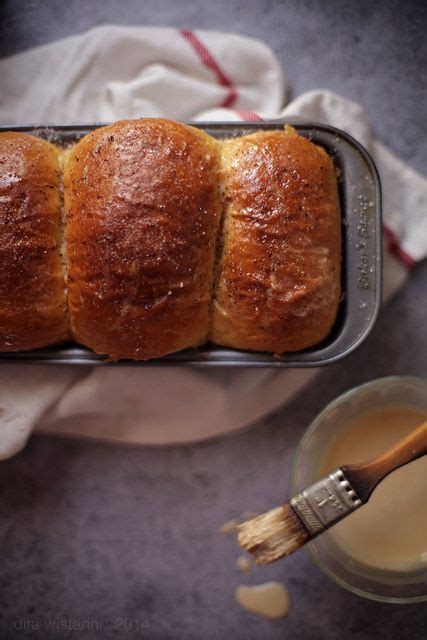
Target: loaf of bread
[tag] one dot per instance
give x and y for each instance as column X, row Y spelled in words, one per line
column 172, row 239
column 33, row 311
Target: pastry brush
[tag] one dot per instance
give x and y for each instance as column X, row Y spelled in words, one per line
column 281, row 531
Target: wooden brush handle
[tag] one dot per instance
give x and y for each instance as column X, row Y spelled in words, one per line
column 364, row 477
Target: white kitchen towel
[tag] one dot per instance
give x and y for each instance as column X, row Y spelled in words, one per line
column 125, row 72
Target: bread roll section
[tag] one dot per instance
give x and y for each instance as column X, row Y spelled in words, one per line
column 32, row 293
column 278, row 284
column 143, row 210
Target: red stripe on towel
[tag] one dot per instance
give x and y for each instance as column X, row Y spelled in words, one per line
column 209, row 61
column 249, row 116
column 396, row 249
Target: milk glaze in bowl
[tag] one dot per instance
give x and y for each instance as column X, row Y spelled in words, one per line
column 377, row 582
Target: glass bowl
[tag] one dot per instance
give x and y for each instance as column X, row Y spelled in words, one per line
column 370, row 582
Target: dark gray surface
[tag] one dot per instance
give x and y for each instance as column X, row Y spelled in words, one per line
column 94, row 532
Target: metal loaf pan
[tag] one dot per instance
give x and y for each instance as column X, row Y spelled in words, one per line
column 360, row 199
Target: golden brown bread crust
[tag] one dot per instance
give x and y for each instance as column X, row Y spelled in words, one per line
column 143, row 211
column 143, row 207
column 278, row 287
column 32, row 294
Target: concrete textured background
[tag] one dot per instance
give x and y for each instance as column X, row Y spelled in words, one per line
column 127, row 537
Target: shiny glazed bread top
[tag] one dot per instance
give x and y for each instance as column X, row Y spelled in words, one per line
column 174, row 238
column 279, row 283
column 32, row 292
column 143, row 210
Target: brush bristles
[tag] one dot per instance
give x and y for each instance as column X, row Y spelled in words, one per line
column 272, row 535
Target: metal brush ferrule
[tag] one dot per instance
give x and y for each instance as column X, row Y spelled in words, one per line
column 326, row 502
